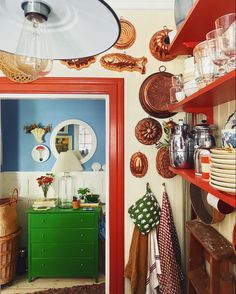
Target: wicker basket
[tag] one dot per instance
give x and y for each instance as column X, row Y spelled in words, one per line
column 8, row 257
column 8, row 214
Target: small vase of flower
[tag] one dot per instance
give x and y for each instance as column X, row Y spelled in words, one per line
column 45, row 182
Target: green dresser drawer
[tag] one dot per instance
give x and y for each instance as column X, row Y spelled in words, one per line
column 42, row 250
column 63, row 235
column 81, row 220
column 62, row 267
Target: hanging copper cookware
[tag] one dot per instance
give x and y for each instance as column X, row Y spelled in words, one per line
column 127, row 35
column 154, row 94
column 148, row 131
column 138, row 164
column 159, row 45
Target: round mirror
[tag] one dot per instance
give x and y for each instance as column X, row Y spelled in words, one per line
column 74, row 134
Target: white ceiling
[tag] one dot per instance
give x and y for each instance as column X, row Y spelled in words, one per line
column 141, row 4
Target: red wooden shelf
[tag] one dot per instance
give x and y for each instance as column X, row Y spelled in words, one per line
column 189, row 175
column 220, row 91
column 200, row 20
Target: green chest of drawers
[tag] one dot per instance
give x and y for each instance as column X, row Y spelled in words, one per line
column 63, row 243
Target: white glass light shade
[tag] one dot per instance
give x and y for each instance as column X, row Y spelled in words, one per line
column 76, row 28
column 67, row 162
column 34, row 40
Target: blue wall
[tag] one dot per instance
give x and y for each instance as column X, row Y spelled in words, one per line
column 17, row 145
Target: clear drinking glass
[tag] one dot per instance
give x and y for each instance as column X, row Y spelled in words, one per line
column 205, row 66
column 227, row 37
column 217, row 55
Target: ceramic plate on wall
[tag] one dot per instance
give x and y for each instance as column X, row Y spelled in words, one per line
column 96, row 166
column 40, row 153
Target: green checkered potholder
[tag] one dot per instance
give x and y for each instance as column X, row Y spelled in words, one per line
column 145, row 212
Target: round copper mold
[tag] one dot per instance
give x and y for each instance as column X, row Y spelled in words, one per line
column 127, row 35
column 154, row 94
column 163, row 163
column 138, row 165
column 148, row 131
column 159, row 45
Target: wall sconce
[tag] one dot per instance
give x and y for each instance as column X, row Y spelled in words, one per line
column 55, row 30
column 37, row 131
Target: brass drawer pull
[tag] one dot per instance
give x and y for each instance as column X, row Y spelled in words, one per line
column 43, row 265
column 81, row 235
column 82, row 250
column 81, row 264
column 43, row 236
column 44, row 220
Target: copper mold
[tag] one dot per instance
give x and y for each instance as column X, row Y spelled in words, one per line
column 148, row 131
column 127, row 35
column 163, row 163
column 138, row 165
column 79, row 63
column 121, row 62
column 159, row 45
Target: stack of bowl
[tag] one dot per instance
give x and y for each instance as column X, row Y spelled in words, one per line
column 223, row 169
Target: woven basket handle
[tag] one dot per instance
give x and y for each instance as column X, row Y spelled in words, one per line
column 14, row 196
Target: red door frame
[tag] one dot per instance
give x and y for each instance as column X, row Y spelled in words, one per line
column 113, row 87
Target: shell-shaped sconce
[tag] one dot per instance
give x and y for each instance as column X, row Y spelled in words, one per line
column 38, row 134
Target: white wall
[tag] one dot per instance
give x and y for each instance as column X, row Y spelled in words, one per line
column 146, row 22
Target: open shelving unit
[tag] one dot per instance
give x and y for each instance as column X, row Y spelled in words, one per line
column 189, row 175
column 199, row 21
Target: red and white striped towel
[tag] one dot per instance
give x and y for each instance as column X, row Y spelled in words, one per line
column 154, row 267
column 171, row 277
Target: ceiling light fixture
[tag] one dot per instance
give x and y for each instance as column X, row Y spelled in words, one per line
column 55, row 30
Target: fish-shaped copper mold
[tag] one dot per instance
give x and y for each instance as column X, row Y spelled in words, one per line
column 127, row 35
column 121, row 62
column 79, row 63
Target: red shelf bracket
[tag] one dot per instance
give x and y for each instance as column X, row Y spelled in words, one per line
column 208, row 111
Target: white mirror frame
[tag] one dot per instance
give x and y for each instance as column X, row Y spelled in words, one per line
column 71, row 122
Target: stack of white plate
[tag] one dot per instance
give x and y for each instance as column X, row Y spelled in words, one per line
column 223, row 169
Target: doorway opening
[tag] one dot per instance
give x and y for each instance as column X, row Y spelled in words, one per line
column 114, row 89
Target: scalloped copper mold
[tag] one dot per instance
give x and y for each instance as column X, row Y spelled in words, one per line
column 148, row 131
column 138, row 165
column 127, row 35
column 159, row 45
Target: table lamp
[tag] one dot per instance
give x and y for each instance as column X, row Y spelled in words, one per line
column 66, row 162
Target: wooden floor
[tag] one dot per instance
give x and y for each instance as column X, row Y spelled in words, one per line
column 21, row 286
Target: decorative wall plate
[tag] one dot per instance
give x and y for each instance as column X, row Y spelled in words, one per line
column 148, row 131
column 79, row 63
column 159, row 45
column 121, row 62
column 40, row 153
column 154, row 94
column 127, row 35
column 138, row 164
column 163, row 163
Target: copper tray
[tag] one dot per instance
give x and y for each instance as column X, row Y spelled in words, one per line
column 127, row 35
column 148, row 131
column 154, row 94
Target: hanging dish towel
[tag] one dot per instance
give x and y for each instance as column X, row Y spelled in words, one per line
column 154, row 267
column 136, row 268
column 170, row 280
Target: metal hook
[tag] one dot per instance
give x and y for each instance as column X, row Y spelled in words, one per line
column 164, row 185
column 148, row 188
